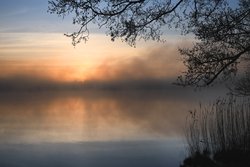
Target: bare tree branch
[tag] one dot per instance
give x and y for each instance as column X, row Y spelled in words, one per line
column 222, row 30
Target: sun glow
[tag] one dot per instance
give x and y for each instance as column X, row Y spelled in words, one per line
column 51, row 56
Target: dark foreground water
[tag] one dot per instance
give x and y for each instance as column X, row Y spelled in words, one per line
column 93, row 154
column 95, row 128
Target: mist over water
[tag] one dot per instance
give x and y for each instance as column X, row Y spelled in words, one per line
column 70, row 116
column 107, row 111
column 77, row 128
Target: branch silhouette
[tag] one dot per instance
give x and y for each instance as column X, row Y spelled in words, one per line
column 222, row 30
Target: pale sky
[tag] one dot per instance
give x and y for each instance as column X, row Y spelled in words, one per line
column 32, row 43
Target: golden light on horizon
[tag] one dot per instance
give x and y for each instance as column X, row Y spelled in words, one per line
column 51, row 56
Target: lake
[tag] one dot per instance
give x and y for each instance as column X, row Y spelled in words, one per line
column 96, row 128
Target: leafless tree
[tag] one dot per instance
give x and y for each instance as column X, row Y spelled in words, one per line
column 242, row 86
column 222, row 30
column 224, row 38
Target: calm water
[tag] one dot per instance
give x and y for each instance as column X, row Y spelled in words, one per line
column 95, row 128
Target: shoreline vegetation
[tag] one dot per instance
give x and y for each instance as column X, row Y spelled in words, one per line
column 219, row 135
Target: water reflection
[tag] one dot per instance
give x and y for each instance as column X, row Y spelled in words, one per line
column 94, row 128
column 90, row 116
column 93, row 154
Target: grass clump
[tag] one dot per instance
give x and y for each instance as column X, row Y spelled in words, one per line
column 219, row 135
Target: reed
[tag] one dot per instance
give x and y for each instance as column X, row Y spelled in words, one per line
column 221, row 131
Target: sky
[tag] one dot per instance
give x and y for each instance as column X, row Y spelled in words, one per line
column 33, row 47
column 34, row 53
